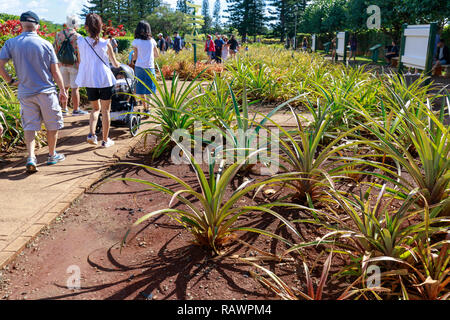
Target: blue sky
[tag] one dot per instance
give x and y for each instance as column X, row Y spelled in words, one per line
column 56, row 10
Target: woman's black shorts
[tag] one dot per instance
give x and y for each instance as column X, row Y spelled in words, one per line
column 95, row 94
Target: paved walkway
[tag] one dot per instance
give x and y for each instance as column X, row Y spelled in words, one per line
column 30, row 202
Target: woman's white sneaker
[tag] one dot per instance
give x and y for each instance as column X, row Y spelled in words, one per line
column 92, row 139
column 107, row 143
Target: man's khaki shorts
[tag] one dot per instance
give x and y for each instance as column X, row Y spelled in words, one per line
column 42, row 107
column 69, row 75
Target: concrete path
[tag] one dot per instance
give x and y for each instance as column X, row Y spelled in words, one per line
column 30, row 202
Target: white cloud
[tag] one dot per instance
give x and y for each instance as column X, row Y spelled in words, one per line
column 8, row 6
column 34, row 4
column 75, row 6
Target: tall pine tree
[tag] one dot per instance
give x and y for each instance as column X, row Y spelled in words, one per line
column 285, row 14
column 182, row 6
column 247, row 16
column 216, row 16
column 126, row 12
column 206, row 28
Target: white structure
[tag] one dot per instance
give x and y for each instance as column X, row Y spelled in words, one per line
column 340, row 44
column 313, row 43
column 416, row 46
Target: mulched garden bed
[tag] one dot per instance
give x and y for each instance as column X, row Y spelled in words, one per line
column 159, row 261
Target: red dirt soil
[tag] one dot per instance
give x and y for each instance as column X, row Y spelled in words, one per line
column 159, row 263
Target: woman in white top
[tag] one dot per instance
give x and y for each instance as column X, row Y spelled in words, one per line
column 95, row 74
column 144, row 53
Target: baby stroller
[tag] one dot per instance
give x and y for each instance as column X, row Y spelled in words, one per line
column 122, row 102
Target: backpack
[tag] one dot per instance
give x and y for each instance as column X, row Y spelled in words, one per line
column 66, row 54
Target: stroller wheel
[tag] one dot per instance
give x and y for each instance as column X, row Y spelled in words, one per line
column 98, row 128
column 134, row 124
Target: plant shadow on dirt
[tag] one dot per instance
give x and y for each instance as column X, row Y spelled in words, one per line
column 186, row 263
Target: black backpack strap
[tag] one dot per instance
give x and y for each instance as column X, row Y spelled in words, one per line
column 67, row 37
column 96, row 53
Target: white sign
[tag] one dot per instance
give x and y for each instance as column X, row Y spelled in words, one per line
column 340, row 42
column 416, row 46
column 313, row 44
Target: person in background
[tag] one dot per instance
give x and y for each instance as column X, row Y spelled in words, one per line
column 353, row 46
column 392, row 52
column 131, row 61
column 169, row 43
column 37, row 70
column 145, row 52
column 333, row 49
column 225, row 49
column 1, row 126
column 69, row 72
column 114, row 44
column 234, row 46
column 218, row 43
column 161, row 43
column 305, row 44
column 176, row 42
column 94, row 73
column 210, row 48
column 441, row 58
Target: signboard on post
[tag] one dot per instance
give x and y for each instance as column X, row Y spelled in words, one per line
column 417, row 46
column 197, row 23
column 313, row 43
column 341, row 45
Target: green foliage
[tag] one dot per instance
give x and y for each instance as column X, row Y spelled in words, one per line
column 285, row 13
column 247, row 16
column 330, row 16
column 123, row 44
column 10, row 118
column 6, row 17
column 215, row 103
column 172, row 110
column 166, row 21
column 126, row 12
column 429, row 138
column 210, row 215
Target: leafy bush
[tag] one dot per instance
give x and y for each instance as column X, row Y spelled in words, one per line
column 210, row 216
column 172, row 111
column 9, row 106
column 123, row 44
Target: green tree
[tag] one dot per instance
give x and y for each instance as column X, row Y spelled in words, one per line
column 206, row 28
column 103, row 8
column 166, row 21
column 182, row 6
column 356, row 15
column 126, row 12
column 325, row 16
column 285, row 15
column 247, row 16
column 425, row 11
column 216, row 16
